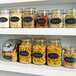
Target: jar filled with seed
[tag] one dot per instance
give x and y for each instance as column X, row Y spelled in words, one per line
column 70, row 18
column 54, row 52
column 39, row 51
column 25, row 50
column 29, row 17
column 16, row 18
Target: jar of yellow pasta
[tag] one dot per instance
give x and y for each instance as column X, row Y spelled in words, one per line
column 25, row 50
column 16, row 18
column 39, row 51
column 54, row 52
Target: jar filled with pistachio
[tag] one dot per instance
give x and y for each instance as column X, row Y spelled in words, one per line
column 56, row 18
column 16, row 18
column 39, row 51
column 54, row 52
column 25, row 50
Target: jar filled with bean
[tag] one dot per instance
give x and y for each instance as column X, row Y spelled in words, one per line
column 54, row 52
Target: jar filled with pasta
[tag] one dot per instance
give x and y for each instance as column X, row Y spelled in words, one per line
column 70, row 18
column 16, row 18
column 25, row 50
column 29, row 18
column 39, row 51
column 56, row 18
column 42, row 18
column 54, row 52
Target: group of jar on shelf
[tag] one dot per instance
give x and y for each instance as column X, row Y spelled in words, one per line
column 29, row 17
column 38, row 52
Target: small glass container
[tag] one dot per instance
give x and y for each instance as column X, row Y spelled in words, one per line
column 25, row 50
column 70, row 18
column 54, row 52
column 39, row 51
column 56, row 18
column 42, row 18
column 16, row 18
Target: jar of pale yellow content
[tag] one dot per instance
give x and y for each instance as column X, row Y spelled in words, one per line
column 54, row 52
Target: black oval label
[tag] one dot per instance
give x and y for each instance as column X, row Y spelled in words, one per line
column 7, row 57
column 24, row 53
column 14, row 19
column 55, row 21
column 27, row 19
column 53, row 55
column 3, row 19
column 70, row 59
column 70, row 21
column 41, row 21
column 37, row 55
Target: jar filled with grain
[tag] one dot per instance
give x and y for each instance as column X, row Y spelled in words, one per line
column 39, row 51
column 56, row 18
column 54, row 52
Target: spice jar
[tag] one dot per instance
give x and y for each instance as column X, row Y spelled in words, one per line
column 16, row 18
column 4, row 18
column 56, row 18
column 70, row 18
column 42, row 18
column 70, row 57
column 25, row 50
column 54, row 52
column 29, row 17
column 39, row 51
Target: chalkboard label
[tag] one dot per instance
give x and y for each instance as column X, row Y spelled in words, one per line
column 3, row 19
column 27, row 19
column 37, row 55
column 7, row 57
column 14, row 19
column 24, row 53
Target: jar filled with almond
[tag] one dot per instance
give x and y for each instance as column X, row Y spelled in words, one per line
column 29, row 17
column 54, row 52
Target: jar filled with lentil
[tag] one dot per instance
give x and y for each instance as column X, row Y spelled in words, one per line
column 39, row 51
column 42, row 18
column 29, row 17
column 56, row 18
column 54, row 52
column 16, row 18
column 25, row 50
column 70, row 18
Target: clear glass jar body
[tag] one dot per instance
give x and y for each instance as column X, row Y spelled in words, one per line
column 56, row 19
column 25, row 50
column 39, row 51
column 42, row 18
column 29, row 18
column 54, row 53
column 70, row 18
column 16, row 18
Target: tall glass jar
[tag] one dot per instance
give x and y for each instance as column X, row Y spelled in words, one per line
column 54, row 52
column 56, row 18
column 29, row 17
column 16, row 18
column 42, row 18
column 70, row 18
column 39, row 51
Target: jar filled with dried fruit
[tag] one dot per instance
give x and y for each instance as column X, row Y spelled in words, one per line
column 25, row 50
column 42, row 18
column 70, row 18
column 56, row 18
column 16, row 18
column 39, row 51
column 54, row 52
column 29, row 18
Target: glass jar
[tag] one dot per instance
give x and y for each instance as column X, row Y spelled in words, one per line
column 39, row 51
column 29, row 17
column 25, row 50
column 70, row 57
column 56, row 18
column 70, row 18
column 42, row 18
column 16, row 18
column 4, row 18
column 54, row 52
